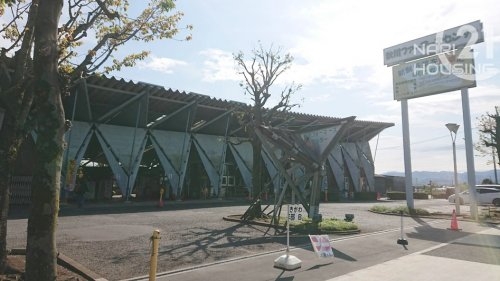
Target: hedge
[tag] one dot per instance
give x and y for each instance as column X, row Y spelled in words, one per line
column 358, row 196
column 398, row 195
column 365, row 196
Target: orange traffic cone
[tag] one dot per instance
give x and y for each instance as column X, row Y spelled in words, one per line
column 454, row 222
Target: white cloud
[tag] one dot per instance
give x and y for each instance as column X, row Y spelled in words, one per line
column 164, row 65
column 219, row 66
column 344, row 35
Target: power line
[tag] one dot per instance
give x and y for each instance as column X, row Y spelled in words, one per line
column 415, row 143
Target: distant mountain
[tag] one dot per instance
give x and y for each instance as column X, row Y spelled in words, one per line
column 444, row 177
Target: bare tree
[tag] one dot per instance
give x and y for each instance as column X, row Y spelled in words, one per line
column 260, row 73
column 489, row 135
column 37, row 70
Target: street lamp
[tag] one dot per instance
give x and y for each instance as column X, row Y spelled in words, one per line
column 453, row 133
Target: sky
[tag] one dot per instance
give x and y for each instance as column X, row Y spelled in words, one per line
column 338, row 59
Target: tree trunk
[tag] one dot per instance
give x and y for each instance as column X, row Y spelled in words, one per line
column 4, row 212
column 17, row 104
column 10, row 142
column 256, row 168
column 41, row 252
column 256, row 149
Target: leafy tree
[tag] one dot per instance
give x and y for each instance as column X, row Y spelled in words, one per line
column 37, row 69
column 489, row 135
column 260, row 73
column 3, row 3
column 486, row 181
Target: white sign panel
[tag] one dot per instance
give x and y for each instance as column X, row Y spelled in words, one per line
column 295, row 212
column 444, row 41
column 436, row 74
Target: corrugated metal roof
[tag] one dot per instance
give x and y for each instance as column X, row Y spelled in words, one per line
column 120, row 97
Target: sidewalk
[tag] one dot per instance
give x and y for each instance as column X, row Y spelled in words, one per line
column 418, row 266
column 423, row 260
column 351, row 252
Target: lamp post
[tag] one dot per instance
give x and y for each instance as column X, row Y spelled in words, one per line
column 453, row 133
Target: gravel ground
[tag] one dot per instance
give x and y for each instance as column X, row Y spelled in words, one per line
column 114, row 241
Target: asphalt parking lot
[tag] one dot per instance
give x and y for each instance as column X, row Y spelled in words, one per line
column 113, row 240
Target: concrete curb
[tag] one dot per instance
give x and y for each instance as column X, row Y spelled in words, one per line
column 78, row 267
column 441, row 216
column 69, row 263
column 234, row 219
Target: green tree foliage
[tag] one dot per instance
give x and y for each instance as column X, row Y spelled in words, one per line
column 260, row 72
column 49, row 46
column 4, row 3
column 486, row 181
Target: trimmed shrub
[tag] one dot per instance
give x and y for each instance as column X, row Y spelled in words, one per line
column 397, row 210
column 420, row 195
column 398, row 195
column 336, row 225
column 440, row 196
column 365, row 196
column 325, row 226
column 333, row 196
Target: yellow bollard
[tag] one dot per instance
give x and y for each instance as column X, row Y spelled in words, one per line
column 155, row 240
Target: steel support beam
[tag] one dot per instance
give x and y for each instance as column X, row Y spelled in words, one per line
column 169, row 116
column 282, row 170
column 111, row 114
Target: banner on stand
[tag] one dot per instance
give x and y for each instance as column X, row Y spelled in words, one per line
column 321, row 245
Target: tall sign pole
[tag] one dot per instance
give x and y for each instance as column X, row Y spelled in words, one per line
column 407, row 154
column 469, row 153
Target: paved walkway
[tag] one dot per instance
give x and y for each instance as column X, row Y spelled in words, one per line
column 422, row 266
column 475, row 255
